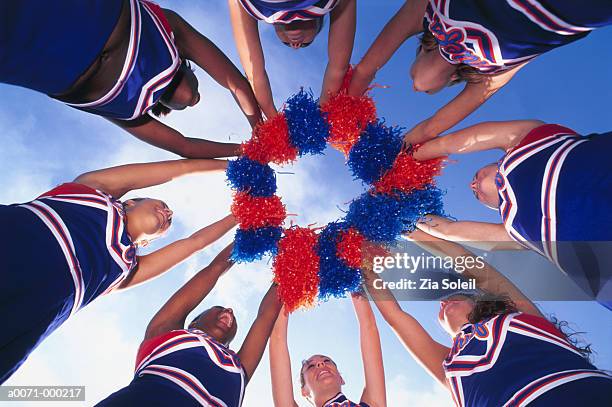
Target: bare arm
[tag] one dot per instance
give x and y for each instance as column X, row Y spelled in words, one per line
column 484, row 235
column 480, row 137
column 196, row 47
column 255, row 342
column 156, row 133
column 487, row 277
column 340, row 46
column 174, row 312
column 117, row 181
column 160, row 261
column 248, row 43
column 466, row 102
column 374, row 393
column 407, row 22
column 280, row 364
column 423, row 348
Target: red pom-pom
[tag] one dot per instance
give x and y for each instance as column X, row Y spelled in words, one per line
column 270, row 142
column 408, row 174
column 349, row 247
column 258, row 211
column 347, row 117
column 296, row 268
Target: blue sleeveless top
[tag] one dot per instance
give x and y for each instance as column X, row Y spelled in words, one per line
column 284, row 12
column 495, row 35
column 511, row 360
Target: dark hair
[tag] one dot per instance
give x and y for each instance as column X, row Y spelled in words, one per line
column 465, row 72
column 159, row 109
column 321, row 21
column 488, row 305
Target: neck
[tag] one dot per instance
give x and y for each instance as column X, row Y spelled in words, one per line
column 324, row 396
column 133, row 230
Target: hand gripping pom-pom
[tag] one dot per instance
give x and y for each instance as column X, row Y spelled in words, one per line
column 348, row 116
column 296, row 268
column 408, row 174
column 270, row 142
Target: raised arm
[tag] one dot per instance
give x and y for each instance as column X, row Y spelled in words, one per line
column 423, row 348
column 160, row 261
column 483, row 235
column 480, row 137
column 255, row 342
column 487, row 278
column 340, row 46
column 156, row 133
column 407, row 22
column 248, row 43
column 196, row 47
column 466, row 102
column 174, row 312
column 374, row 393
column 117, row 181
column 280, row 364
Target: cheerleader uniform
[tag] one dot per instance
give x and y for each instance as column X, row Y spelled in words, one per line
column 340, row 400
column 180, row 368
column 495, row 35
column 566, row 216
column 518, row 359
column 47, row 46
column 285, row 12
column 58, row 253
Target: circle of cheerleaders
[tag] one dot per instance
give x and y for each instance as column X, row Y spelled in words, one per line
column 325, row 262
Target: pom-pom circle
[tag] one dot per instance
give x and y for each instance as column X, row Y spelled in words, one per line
column 311, row 265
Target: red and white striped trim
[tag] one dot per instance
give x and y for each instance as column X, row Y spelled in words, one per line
column 128, row 65
column 281, row 16
column 540, row 386
column 61, row 233
column 187, row 382
column 161, row 80
column 546, row 20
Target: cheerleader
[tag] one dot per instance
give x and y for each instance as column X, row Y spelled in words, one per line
column 194, row 366
column 482, row 43
column 551, row 187
column 296, row 23
column 119, row 59
column 504, row 351
column 78, row 241
column 320, row 380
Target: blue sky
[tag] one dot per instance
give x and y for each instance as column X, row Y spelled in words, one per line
column 46, row 143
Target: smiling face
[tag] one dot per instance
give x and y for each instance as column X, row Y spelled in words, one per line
column 182, row 91
column 454, row 313
column 300, row 33
column 218, row 322
column 147, row 218
column 484, row 188
column 320, row 374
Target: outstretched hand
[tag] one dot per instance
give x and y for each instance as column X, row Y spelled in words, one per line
column 360, row 81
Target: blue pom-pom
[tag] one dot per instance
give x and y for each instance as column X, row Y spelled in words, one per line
column 383, row 218
column 249, row 176
column 253, row 244
column 308, row 130
column 419, row 203
column 375, row 152
column 336, row 279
